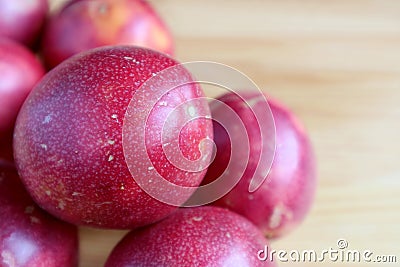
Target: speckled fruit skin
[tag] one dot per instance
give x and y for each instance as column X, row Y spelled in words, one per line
column 86, row 24
column 203, row 236
column 29, row 236
column 68, row 138
column 19, row 72
column 22, row 20
column 285, row 197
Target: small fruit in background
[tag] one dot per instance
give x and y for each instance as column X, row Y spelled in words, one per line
column 85, row 24
column 285, row 197
column 68, row 144
column 20, row 70
column 29, row 237
column 22, row 20
column 203, row 236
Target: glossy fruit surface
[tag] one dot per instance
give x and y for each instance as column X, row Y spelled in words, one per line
column 30, row 237
column 86, row 24
column 20, row 70
column 22, row 20
column 68, row 141
column 203, row 236
column 285, row 197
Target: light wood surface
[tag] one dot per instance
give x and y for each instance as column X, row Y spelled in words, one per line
column 337, row 65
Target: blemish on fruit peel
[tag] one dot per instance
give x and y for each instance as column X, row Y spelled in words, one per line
column 111, row 142
column 197, row 219
column 61, row 205
column 35, row 220
column 103, row 203
column 29, row 209
column 47, row 119
column 279, row 212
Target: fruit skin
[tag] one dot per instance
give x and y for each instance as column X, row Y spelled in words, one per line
column 202, row 236
column 286, row 196
column 68, row 138
column 86, row 24
column 29, row 236
column 22, row 20
column 20, row 71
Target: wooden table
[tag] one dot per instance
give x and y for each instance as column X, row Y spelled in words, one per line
column 337, row 65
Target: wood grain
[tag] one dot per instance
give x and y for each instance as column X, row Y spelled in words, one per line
column 337, row 65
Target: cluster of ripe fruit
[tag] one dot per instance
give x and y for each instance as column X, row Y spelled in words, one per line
column 65, row 161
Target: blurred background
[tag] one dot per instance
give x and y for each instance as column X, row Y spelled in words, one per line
column 336, row 64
